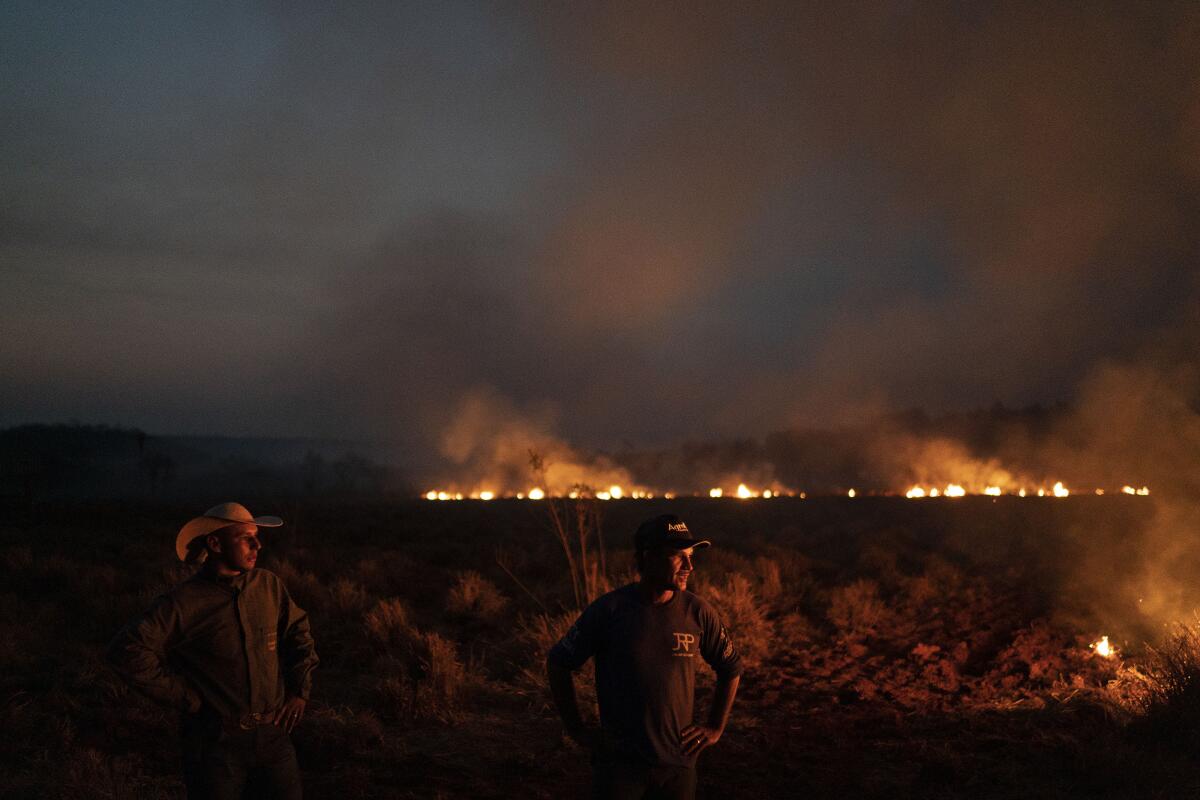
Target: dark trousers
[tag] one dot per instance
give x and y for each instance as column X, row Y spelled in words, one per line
column 618, row 778
column 218, row 763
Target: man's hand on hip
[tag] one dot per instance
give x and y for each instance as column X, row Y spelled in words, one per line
column 290, row 712
column 698, row 737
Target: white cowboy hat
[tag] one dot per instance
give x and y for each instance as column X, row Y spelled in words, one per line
column 214, row 519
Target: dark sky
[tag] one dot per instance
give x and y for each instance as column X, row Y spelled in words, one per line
column 631, row 223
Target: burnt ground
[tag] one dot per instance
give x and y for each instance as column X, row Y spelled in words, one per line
column 895, row 648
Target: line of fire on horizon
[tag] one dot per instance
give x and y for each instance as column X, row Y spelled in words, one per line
column 744, row 492
column 1101, row 648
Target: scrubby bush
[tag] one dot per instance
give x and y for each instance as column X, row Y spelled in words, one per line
column 420, row 673
column 540, row 632
column 744, row 615
column 424, row 679
column 1165, row 692
column 347, row 598
column 475, row 597
column 534, row 636
column 443, row 678
column 856, row 610
column 794, row 628
column 304, row 587
column 770, row 581
column 387, row 624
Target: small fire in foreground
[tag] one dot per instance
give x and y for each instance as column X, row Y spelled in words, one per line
column 1103, row 648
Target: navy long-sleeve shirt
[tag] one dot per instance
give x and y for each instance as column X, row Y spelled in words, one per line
column 646, row 667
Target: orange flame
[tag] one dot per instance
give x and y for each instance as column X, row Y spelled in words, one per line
column 1104, row 648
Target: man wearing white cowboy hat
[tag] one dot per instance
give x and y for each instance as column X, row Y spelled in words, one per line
column 231, row 650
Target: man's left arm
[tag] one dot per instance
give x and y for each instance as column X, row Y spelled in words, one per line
column 699, row 737
column 718, row 650
column 298, row 659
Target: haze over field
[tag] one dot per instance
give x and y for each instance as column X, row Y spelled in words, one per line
column 339, row 263
column 624, row 226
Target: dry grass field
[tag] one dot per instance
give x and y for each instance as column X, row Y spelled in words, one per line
column 895, row 649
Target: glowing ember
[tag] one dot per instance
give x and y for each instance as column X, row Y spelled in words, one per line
column 536, row 494
column 486, row 495
column 715, row 492
column 954, row 490
column 615, row 492
column 1103, row 648
column 767, row 494
column 1060, row 490
column 915, row 492
column 1022, row 492
column 992, row 491
column 850, row 493
column 743, row 491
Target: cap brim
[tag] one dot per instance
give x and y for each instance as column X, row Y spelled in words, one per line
column 684, row 544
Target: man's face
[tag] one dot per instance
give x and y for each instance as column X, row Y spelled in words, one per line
column 237, row 547
column 665, row 568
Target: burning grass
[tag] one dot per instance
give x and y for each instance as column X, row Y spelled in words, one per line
column 894, row 649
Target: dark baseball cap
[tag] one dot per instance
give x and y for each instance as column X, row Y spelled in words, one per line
column 667, row 530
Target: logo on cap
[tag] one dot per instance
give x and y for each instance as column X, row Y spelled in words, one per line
column 677, row 526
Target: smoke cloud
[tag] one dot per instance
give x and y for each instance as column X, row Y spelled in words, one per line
column 715, row 242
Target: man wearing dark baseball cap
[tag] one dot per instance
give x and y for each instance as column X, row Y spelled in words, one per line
column 645, row 638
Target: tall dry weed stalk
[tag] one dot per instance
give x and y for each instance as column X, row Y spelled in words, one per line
column 575, row 522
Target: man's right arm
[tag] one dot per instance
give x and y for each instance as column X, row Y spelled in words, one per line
column 139, row 654
column 576, row 647
column 562, row 689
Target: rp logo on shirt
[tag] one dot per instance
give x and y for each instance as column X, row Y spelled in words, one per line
column 683, row 645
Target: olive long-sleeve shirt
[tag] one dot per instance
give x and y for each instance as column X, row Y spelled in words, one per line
column 233, row 645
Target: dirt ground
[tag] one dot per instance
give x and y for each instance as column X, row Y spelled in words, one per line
column 894, row 648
